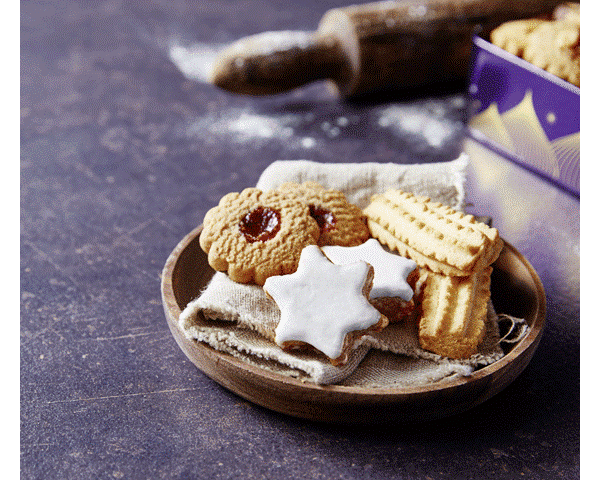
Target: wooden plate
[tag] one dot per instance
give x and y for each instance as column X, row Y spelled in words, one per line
column 516, row 290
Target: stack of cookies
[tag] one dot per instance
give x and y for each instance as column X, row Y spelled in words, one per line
column 551, row 44
column 455, row 252
column 323, row 261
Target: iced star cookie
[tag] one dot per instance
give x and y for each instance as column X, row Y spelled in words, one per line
column 341, row 223
column 253, row 235
column 324, row 305
column 395, row 277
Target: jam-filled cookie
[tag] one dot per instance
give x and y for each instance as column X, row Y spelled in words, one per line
column 253, row 235
column 341, row 223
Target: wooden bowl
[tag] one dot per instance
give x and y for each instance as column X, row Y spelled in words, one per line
column 516, row 290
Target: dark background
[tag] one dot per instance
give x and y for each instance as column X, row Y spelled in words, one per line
column 121, row 156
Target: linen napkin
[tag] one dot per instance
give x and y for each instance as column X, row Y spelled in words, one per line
column 443, row 181
column 241, row 319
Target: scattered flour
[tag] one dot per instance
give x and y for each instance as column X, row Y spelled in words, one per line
column 424, row 126
column 195, row 61
column 242, row 125
column 271, row 42
column 246, row 125
column 308, row 142
column 426, row 122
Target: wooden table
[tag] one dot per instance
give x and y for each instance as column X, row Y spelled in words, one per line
column 124, row 147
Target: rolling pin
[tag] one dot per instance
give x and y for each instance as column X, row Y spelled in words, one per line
column 369, row 47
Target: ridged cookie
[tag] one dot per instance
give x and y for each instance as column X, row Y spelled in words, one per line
column 452, row 323
column 432, row 234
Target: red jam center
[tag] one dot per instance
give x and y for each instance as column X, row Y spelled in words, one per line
column 324, row 218
column 260, row 224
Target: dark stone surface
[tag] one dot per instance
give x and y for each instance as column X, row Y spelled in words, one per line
column 121, row 156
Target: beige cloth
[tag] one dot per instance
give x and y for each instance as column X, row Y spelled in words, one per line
column 444, row 182
column 255, row 317
column 240, row 319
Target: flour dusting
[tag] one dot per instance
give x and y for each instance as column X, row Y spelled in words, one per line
column 426, row 123
column 267, row 43
column 195, row 61
column 243, row 125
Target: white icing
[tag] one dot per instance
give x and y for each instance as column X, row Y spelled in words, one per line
column 321, row 302
column 390, row 270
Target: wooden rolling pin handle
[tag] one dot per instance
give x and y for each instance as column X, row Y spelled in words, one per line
column 263, row 64
column 399, row 44
column 369, row 47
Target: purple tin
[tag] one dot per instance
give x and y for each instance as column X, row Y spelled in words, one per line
column 526, row 114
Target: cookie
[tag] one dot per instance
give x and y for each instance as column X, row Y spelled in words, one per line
column 552, row 45
column 395, row 277
column 432, row 234
column 513, row 36
column 555, row 47
column 341, row 223
column 567, row 11
column 453, row 313
column 253, row 235
column 324, row 306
